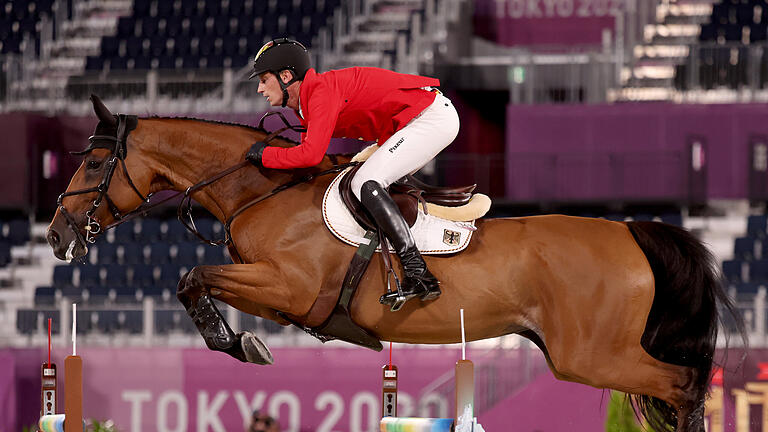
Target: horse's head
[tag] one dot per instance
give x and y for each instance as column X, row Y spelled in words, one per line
column 110, row 182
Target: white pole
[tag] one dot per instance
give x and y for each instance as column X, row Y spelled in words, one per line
column 463, row 340
column 74, row 329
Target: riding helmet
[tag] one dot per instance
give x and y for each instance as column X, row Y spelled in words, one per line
column 280, row 54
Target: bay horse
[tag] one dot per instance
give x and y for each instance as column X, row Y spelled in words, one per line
column 627, row 306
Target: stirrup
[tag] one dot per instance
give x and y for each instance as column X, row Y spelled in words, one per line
column 395, row 299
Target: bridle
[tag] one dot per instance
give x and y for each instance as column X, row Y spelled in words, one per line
column 118, row 151
column 117, row 146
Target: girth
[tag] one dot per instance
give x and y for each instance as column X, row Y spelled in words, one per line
column 408, row 193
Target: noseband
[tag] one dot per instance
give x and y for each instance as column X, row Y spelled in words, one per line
column 118, row 150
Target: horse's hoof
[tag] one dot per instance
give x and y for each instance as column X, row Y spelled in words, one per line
column 254, row 349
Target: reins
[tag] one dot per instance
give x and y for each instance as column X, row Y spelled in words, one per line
column 184, row 209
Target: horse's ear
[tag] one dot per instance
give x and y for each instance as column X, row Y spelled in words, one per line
column 102, row 112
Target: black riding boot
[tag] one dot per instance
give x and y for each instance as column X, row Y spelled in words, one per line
column 418, row 281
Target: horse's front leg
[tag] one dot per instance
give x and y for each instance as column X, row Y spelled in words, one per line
column 248, row 284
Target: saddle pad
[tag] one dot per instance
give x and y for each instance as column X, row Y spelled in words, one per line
column 433, row 235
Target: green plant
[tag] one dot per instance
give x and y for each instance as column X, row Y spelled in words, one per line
column 620, row 417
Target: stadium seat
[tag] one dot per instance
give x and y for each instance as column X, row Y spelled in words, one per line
column 143, row 275
column 98, row 295
column 151, row 230
column 73, row 294
column 133, row 253
column 165, row 9
column 5, row 253
column 215, row 255
column 62, row 275
column 90, row 275
column 106, row 253
column 159, row 253
column 116, row 275
column 186, row 254
column 672, row 219
column 85, row 320
column 758, row 271
column 18, row 232
column 126, row 294
column 744, row 248
column 27, row 321
column 45, row 296
column 732, row 271
column 756, row 226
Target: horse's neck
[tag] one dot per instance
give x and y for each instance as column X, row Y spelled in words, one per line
column 190, row 152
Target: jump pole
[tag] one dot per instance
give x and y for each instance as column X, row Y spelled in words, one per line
column 72, row 419
column 465, row 393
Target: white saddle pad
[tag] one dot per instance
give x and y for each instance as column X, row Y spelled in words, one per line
column 433, row 235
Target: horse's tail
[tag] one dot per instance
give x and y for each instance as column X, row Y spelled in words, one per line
column 683, row 322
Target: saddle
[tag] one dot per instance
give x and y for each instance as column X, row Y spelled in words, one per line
column 407, row 193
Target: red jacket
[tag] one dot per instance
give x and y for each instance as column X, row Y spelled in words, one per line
column 359, row 102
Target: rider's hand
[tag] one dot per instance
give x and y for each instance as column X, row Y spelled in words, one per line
column 254, row 153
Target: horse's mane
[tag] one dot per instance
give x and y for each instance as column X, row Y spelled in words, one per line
column 222, row 123
column 249, row 127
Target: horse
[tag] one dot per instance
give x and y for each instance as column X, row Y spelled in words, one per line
column 627, row 306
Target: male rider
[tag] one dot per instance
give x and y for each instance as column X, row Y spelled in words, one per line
column 409, row 118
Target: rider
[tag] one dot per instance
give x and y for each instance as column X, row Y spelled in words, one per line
column 408, row 116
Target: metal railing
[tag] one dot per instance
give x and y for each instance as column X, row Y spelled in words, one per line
column 731, row 65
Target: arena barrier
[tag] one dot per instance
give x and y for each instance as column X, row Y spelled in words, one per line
column 72, row 419
column 464, row 417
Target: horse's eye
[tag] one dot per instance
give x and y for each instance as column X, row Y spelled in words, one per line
column 94, row 164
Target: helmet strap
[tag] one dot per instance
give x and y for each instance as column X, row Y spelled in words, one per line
column 284, row 86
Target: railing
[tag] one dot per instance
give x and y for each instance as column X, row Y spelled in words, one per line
column 730, row 66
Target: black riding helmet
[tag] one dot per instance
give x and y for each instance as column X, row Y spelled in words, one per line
column 278, row 55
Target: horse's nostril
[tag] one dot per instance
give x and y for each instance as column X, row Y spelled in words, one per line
column 53, row 238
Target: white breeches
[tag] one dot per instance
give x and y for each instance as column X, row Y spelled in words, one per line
column 411, row 147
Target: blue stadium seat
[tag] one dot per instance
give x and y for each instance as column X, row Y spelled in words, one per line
column 143, row 275
column 170, row 275
column 98, row 294
column 116, row 275
column 35, row 321
column 173, row 26
column 164, row 8
column 151, row 230
column 18, row 231
column 672, row 219
column 89, row 275
column 5, row 253
column 159, row 253
column 126, row 294
column 732, row 271
column 133, row 253
column 62, row 275
column 118, row 63
column 173, row 320
column 126, row 27
column 141, row 8
column 109, row 46
column 107, row 321
column 85, row 320
column 73, row 294
column 188, row 8
column 133, row 321
column 212, row 8
column 148, row 27
column 756, row 226
column 744, row 248
column 94, row 63
column 106, row 253
column 134, row 46
column 186, row 254
column 140, row 62
column 758, row 271
column 45, row 296
column 197, row 27
column 758, row 33
column 214, row 255
column 236, row 7
column 156, row 291
column 205, row 226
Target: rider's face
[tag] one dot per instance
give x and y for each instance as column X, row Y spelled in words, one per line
column 270, row 88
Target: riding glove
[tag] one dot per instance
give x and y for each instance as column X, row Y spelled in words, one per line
column 255, row 152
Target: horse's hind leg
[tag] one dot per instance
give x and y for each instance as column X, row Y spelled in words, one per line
column 632, row 370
